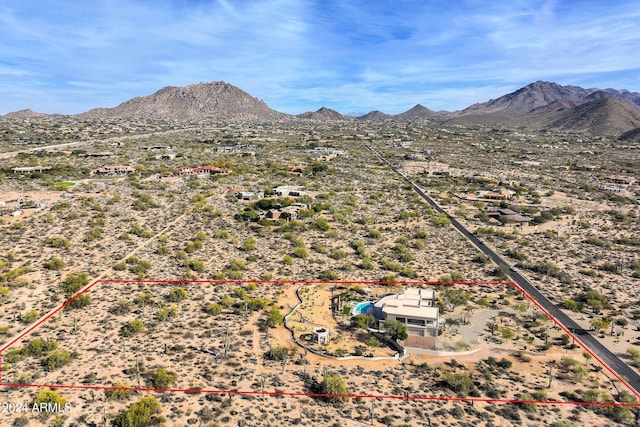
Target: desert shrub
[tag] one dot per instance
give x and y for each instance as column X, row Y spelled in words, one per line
column 80, row 302
column 119, row 266
column 162, row 378
column 166, row 312
column 214, row 309
column 459, row 382
column 56, row 359
column 119, row 391
column 74, row 282
column 145, row 412
column 338, row 254
column 373, row 342
column 301, row 252
column 329, row 275
column 132, row 327
column 121, row 307
column 58, row 242
column 177, row 294
column 54, row 264
column 31, row 316
column 335, row 386
column 275, row 318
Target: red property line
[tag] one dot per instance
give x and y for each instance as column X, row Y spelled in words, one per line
column 310, row 282
column 274, row 282
column 300, row 394
column 294, row 394
column 47, row 317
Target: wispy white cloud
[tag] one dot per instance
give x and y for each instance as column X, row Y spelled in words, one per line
column 297, row 55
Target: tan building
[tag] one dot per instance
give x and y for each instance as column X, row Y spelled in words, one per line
column 115, row 170
column 416, row 309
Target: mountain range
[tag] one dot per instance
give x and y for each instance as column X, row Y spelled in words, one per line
column 539, row 105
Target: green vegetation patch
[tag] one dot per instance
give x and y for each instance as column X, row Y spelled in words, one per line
column 63, row 185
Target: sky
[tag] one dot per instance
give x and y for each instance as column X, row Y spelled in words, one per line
column 68, row 56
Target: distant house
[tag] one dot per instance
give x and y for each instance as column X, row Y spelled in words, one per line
column 273, row 214
column 616, row 190
column 291, row 212
column 527, row 163
column 165, row 156
column 416, row 309
column 287, row 190
column 437, row 169
column 505, row 215
column 184, row 170
column 200, row 170
column 214, row 170
column 296, row 169
column 245, row 195
column 99, row 154
column 243, row 149
column 225, row 149
column 157, row 147
column 115, row 170
column 325, row 153
column 621, row 180
column 26, row 170
column 502, row 194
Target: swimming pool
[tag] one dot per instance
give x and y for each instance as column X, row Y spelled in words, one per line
column 363, row 308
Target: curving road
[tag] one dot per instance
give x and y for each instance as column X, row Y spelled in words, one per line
column 618, row 367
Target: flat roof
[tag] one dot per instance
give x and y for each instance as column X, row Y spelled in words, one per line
column 414, row 302
column 408, row 311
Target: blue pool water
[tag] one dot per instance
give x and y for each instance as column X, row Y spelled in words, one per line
column 363, row 308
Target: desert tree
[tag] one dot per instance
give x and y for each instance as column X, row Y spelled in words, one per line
column 395, row 330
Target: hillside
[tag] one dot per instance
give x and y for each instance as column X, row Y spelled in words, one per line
column 323, row 113
column 23, row 114
column 218, row 100
column 547, row 105
column 632, row 135
column 603, row 116
column 526, row 99
column 418, row 112
column 375, row 115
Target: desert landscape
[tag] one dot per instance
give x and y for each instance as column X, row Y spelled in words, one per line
column 207, row 245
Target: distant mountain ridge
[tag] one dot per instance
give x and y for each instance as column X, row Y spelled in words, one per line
column 24, row 114
column 547, row 105
column 539, row 105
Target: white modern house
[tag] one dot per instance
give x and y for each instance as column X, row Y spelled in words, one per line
column 416, row 309
column 289, row 190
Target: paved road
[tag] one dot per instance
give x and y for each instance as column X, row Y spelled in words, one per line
column 43, row 148
column 620, row 368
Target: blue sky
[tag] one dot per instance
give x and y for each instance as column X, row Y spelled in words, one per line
column 67, row 56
